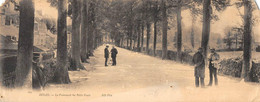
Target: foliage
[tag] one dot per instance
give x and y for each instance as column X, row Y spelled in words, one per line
column 51, row 24
column 231, row 67
column 228, row 39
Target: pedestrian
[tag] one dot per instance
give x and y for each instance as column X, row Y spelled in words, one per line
column 106, row 54
column 199, row 71
column 113, row 55
column 213, row 65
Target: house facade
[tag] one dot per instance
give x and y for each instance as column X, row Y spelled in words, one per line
column 9, row 26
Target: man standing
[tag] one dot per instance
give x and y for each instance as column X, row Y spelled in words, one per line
column 106, row 54
column 213, row 65
column 113, row 55
column 199, row 71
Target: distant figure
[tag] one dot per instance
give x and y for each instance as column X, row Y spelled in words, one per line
column 199, row 71
column 106, row 54
column 213, row 65
column 113, row 55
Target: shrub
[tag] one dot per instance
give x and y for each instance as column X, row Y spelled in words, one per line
column 254, row 73
column 185, row 56
column 43, row 72
column 8, row 65
column 258, row 49
column 232, row 67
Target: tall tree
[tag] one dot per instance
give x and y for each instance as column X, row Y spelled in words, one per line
column 25, row 42
column 147, row 18
column 164, row 29
column 127, row 42
column 238, row 37
column 76, row 62
column 155, row 20
column 195, row 11
column 192, row 34
column 179, row 30
column 219, row 5
column 84, row 24
column 61, row 75
column 142, row 36
column 148, row 30
column 192, row 30
column 206, row 26
column 131, row 25
column 247, row 39
column 138, row 35
column 228, row 40
column 91, row 20
column 155, row 38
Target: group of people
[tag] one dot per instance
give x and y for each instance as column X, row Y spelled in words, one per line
column 113, row 55
column 199, row 71
column 198, row 60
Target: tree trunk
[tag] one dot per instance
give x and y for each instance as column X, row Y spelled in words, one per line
column 76, row 62
column 25, row 43
column 94, row 37
column 131, row 38
column 192, row 38
column 61, row 75
column 84, row 23
column 138, row 37
column 155, row 37
column 148, row 25
column 179, row 34
column 236, row 41
column 142, row 39
column 122, row 42
column 192, row 33
column 247, row 40
column 206, row 27
column 90, row 39
column 164, row 29
column 127, row 42
column 91, row 20
column 134, row 43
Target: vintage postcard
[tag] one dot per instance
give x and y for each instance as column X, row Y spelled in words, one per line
column 129, row 50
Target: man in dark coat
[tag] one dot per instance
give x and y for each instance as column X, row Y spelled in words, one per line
column 113, row 55
column 213, row 65
column 106, row 54
column 199, row 71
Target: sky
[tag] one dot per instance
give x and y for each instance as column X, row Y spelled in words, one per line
column 1, row 2
column 258, row 3
column 228, row 18
column 46, row 9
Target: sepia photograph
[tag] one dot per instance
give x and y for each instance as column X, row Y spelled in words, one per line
column 129, row 50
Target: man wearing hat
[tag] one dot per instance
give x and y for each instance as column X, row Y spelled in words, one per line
column 213, row 65
column 199, row 71
column 113, row 55
column 106, row 54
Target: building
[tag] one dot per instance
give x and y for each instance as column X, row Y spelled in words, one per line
column 9, row 27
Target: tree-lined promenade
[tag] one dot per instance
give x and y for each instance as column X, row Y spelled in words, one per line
column 127, row 24
column 138, row 77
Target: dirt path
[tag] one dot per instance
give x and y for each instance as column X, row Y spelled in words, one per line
column 141, row 78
